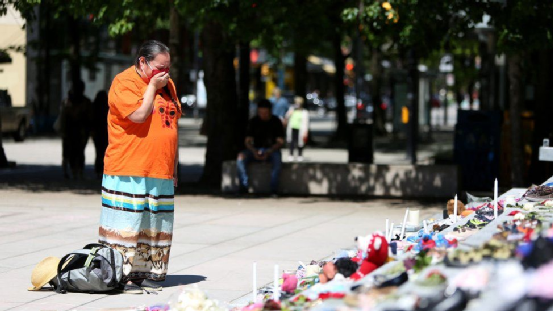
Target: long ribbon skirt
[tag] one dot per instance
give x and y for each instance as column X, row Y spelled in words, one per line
column 137, row 219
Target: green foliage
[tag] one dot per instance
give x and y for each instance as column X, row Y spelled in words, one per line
column 422, row 25
column 522, row 25
column 274, row 24
column 463, row 50
column 430, row 25
column 304, row 24
column 139, row 16
column 121, row 16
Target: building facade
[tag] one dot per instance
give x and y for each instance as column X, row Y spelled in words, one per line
column 13, row 72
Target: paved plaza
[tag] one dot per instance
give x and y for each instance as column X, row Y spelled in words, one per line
column 216, row 239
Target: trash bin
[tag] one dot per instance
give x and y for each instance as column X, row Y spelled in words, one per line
column 476, row 148
column 360, row 143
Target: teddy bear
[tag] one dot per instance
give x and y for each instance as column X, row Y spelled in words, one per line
column 289, row 283
column 376, row 248
column 450, row 207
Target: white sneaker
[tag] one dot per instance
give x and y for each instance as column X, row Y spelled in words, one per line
column 290, row 158
column 300, row 159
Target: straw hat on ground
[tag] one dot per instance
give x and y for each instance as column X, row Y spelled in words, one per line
column 44, row 271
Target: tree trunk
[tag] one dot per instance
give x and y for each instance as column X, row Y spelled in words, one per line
column 539, row 171
column 376, row 71
column 515, row 92
column 43, row 67
column 300, row 74
column 428, row 110
column 486, row 74
column 75, row 57
column 196, row 68
column 413, row 132
column 176, row 63
column 175, row 47
column 220, row 119
column 470, row 90
column 243, row 92
column 339, row 63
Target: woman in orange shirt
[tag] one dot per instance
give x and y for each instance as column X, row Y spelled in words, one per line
column 140, row 168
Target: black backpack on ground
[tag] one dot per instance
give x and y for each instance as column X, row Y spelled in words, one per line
column 95, row 268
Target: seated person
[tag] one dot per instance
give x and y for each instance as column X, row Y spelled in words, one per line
column 264, row 138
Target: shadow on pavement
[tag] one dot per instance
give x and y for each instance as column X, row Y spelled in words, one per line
column 49, row 178
column 177, row 280
column 38, row 178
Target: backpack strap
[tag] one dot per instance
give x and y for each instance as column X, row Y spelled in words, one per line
column 98, row 246
column 91, row 256
column 113, row 281
column 94, row 249
column 93, row 245
column 62, row 267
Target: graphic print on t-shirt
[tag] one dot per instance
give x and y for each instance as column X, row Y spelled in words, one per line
column 166, row 111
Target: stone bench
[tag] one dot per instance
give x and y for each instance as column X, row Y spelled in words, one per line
column 350, row 179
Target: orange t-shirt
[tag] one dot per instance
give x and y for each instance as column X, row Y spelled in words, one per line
column 140, row 149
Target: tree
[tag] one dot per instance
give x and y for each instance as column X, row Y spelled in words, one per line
column 339, row 30
column 64, row 24
column 311, row 34
column 517, row 39
column 413, row 29
column 231, row 23
column 220, row 23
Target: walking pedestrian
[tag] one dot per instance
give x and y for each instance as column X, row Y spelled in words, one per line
column 297, row 128
column 3, row 159
column 75, row 130
column 280, row 104
column 100, row 130
column 140, row 168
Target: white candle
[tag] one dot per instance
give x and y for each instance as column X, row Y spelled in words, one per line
column 276, row 288
column 403, row 225
column 495, row 199
column 425, row 226
column 387, row 229
column 455, row 210
column 254, row 282
column 391, row 233
column 414, row 218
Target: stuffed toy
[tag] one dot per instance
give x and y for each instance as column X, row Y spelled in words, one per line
column 329, row 272
column 376, row 248
column 289, row 283
column 345, row 266
column 362, row 242
column 312, row 270
column 451, row 207
column 427, row 242
column 342, row 267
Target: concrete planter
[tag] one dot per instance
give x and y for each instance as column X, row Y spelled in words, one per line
column 413, row 181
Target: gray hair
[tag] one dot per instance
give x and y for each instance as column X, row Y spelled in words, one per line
column 149, row 50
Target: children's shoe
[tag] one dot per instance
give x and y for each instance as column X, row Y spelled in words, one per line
column 132, row 288
column 150, row 285
column 300, row 159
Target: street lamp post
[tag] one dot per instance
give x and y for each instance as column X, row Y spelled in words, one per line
column 413, row 98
